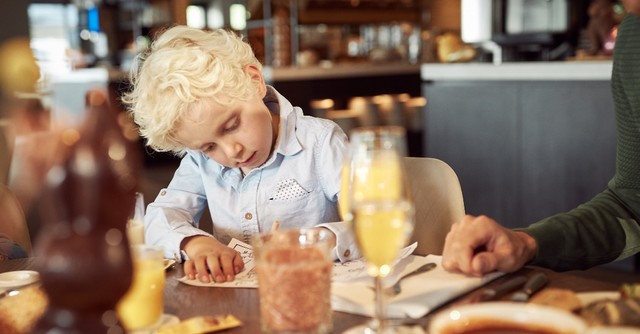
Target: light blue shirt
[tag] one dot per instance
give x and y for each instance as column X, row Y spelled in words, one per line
column 298, row 186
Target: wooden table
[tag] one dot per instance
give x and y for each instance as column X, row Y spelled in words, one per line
column 187, row 301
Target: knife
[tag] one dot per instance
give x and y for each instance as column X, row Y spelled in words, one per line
column 496, row 292
column 533, row 285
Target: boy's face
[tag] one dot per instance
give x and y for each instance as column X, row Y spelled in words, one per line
column 239, row 136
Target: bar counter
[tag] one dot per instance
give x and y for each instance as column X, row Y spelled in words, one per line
column 519, row 71
column 338, row 70
column 303, row 73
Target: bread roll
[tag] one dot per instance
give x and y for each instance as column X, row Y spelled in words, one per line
column 560, row 298
column 612, row 312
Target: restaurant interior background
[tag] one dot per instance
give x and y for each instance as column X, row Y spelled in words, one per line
column 338, row 59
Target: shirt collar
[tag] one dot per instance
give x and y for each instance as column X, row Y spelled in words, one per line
column 287, row 143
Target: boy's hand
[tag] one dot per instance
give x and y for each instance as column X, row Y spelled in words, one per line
column 208, row 258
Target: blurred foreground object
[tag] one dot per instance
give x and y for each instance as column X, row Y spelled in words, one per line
column 15, row 241
column 84, row 254
column 20, row 310
column 18, row 68
column 14, row 234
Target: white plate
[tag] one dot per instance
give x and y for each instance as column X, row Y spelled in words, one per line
column 14, row 279
column 519, row 314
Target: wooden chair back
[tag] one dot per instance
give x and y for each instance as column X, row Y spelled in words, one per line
column 438, row 202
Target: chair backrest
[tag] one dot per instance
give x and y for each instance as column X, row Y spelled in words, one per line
column 438, row 202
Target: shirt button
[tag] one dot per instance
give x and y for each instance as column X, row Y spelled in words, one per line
column 347, row 253
column 248, row 216
column 162, row 193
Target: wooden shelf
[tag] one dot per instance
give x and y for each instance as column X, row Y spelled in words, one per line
column 357, row 16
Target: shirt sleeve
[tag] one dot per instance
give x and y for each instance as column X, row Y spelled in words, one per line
column 346, row 249
column 332, row 154
column 175, row 213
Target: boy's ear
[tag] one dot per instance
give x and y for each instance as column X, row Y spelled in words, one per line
column 258, row 80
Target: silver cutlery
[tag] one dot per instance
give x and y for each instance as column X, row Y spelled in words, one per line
column 500, row 290
column 396, row 288
column 534, row 284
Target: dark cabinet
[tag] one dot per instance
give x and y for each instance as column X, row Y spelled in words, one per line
column 567, row 147
column 523, row 150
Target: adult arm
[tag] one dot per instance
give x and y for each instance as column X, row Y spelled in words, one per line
column 597, row 232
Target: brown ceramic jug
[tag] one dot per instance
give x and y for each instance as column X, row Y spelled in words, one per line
column 83, row 252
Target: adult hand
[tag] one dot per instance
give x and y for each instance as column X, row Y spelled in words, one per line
column 210, row 258
column 478, row 245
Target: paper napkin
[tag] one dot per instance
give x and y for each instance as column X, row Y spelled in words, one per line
column 420, row 293
column 352, row 271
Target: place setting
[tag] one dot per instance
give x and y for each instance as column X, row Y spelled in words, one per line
column 450, row 302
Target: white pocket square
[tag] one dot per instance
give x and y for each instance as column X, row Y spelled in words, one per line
column 288, row 189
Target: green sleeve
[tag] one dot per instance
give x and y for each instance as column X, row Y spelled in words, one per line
column 599, row 231
column 607, row 227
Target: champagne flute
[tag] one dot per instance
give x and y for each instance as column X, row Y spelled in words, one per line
column 376, row 201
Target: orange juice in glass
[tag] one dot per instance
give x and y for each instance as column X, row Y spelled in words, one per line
column 379, row 205
column 141, row 307
column 380, row 182
column 380, row 214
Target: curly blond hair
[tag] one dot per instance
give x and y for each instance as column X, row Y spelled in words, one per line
column 183, row 66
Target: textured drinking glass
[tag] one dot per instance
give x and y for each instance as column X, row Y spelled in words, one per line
column 294, row 281
column 135, row 232
column 135, row 225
